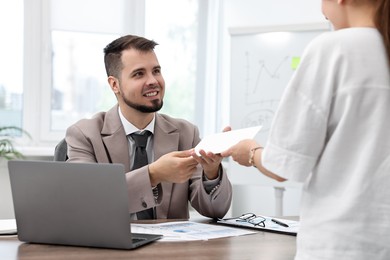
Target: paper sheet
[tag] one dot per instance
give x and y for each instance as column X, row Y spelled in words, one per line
column 220, row 142
column 7, row 226
column 188, row 231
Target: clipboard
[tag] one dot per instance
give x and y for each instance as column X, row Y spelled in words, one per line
column 270, row 225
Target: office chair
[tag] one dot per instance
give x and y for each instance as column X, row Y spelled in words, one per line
column 60, row 151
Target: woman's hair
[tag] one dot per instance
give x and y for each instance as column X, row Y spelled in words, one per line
column 382, row 22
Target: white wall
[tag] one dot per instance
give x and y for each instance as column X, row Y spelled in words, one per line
column 259, row 196
column 265, row 12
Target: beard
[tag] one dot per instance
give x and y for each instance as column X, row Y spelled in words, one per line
column 156, row 105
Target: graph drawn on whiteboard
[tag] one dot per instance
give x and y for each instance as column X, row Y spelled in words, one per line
column 261, row 67
column 263, row 72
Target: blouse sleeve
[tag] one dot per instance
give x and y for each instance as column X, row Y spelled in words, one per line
column 298, row 131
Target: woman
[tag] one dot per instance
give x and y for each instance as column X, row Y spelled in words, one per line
column 331, row 131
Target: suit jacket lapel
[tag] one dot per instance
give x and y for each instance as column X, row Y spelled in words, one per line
column 114, row 139
column 166, row 139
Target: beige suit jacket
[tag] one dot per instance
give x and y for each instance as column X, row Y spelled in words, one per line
column 102, row 139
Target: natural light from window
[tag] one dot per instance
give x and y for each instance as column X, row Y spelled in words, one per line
column 11, row 62
column 177, row 35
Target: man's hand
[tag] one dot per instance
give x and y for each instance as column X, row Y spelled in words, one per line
column 210, row 161
column 174, row 167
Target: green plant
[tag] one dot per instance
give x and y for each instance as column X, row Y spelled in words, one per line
column 7, row 149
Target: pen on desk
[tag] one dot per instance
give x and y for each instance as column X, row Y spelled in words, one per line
column 279, row 222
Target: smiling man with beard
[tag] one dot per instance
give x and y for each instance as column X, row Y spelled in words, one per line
column 171, row 175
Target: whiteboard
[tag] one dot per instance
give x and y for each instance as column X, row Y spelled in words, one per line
column 263, row 59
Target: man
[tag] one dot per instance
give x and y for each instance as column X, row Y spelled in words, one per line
column 174, row 175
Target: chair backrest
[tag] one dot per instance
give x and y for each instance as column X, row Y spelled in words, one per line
column 60, row 152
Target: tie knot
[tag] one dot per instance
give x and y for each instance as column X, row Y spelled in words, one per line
column 141, row 139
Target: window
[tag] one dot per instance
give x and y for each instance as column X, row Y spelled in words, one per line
column 189, row 49
column 57, row 59
column 11, row 62
column 79, row 87
column 177, row 35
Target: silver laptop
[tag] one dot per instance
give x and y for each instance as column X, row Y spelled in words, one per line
column 78, row 204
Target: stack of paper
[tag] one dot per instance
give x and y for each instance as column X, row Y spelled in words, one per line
column 7, row 226
column 187, row 230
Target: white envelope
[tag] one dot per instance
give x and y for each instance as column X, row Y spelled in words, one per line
column 217, row 143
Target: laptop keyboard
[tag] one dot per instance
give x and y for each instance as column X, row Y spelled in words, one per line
column 136, row 240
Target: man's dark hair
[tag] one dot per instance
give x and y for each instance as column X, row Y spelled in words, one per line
column 113, row 51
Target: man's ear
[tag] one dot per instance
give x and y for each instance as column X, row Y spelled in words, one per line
column 114, row 84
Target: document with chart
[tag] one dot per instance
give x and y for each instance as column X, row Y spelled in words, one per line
column 263, row 223
column 188, row 231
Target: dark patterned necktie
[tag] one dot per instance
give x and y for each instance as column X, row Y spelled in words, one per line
column 141, row 157
column 140, row 160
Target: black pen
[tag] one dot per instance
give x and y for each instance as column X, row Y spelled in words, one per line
column 279, row 222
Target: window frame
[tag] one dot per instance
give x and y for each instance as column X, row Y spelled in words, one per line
column 38, row 71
